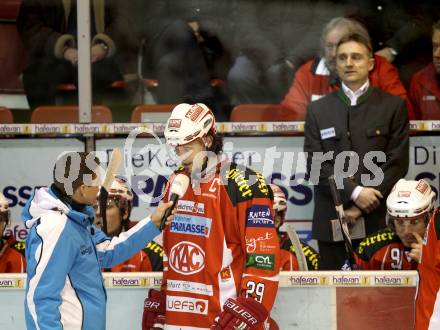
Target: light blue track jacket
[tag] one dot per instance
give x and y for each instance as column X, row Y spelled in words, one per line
column 64, row 255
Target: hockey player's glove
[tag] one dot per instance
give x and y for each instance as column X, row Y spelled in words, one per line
column 154, row 311
column 240, row 313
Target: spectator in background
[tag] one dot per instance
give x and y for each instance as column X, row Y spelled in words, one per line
column 206, row 19
column 318, row 77
column 409, row 207
column 424, row 89
column 399, row 31
column 358, row 118
column 289, row 262
column 119, row 206
column 170, row 51
column 48, row 30
column 12, row 258
column 272, row 42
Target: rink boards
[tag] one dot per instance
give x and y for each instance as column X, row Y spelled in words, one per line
column 305, row 300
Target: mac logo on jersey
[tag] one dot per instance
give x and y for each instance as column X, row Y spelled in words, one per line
column 259, row 216
column 187, row 258
column 187, row 305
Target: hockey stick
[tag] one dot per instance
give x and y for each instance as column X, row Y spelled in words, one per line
column 341, row 217
column 112, row 168
column 299, row 253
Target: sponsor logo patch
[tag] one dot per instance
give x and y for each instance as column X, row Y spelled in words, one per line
column 422, row 186
column 259, row 242
column 174, row 123
column 404, row 193
column 191, row 225
column 187, row 305
column 262, row 261
column 190, row 206
column 225, row 274
column 194, row 112
column 242, row 183
column 187, row 258
column 428, row 98
column 86, row 249
column 259, row 216
column 186, row 286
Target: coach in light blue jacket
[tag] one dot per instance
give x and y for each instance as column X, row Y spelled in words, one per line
column 65, row 252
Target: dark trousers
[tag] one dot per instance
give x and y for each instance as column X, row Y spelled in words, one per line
column 333, row 254
column 41, row 78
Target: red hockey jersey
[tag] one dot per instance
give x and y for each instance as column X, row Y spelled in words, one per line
column 222, row 243
column 12, row 259
column 289, row 262
column 428, row 293
column 383, row 250
column 424, row 92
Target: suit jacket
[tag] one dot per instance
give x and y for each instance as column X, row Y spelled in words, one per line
column 379, row 122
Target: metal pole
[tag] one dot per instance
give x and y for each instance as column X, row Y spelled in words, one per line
column 84, row 65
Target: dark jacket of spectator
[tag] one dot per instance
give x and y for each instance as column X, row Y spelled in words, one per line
column 48, row 29
column 44, row 27
column 379, row 122
column 268, row 32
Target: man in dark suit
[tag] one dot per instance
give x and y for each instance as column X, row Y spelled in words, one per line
column 358, row 122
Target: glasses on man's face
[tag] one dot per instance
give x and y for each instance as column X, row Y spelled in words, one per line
column 407, row 221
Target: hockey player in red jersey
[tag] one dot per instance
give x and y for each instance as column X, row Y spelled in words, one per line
column 119, row 206
column 210, row 279
column 289, row 261
column 12, row 259
column 398, row 247
column 428, row 297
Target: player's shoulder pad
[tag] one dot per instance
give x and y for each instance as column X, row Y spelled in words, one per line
column 312, row 257
column 19, row 246
column 154, row 252
column 243, row 183
column 376, row 241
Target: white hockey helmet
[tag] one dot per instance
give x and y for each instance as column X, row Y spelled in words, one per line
column 4, row 205
column 410, row 198
column 189, row 122
column 5, row 212
column 279, row 198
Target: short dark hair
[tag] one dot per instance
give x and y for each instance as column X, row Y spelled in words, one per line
column 359, row 38
column 67, row 163
column 436, row 26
